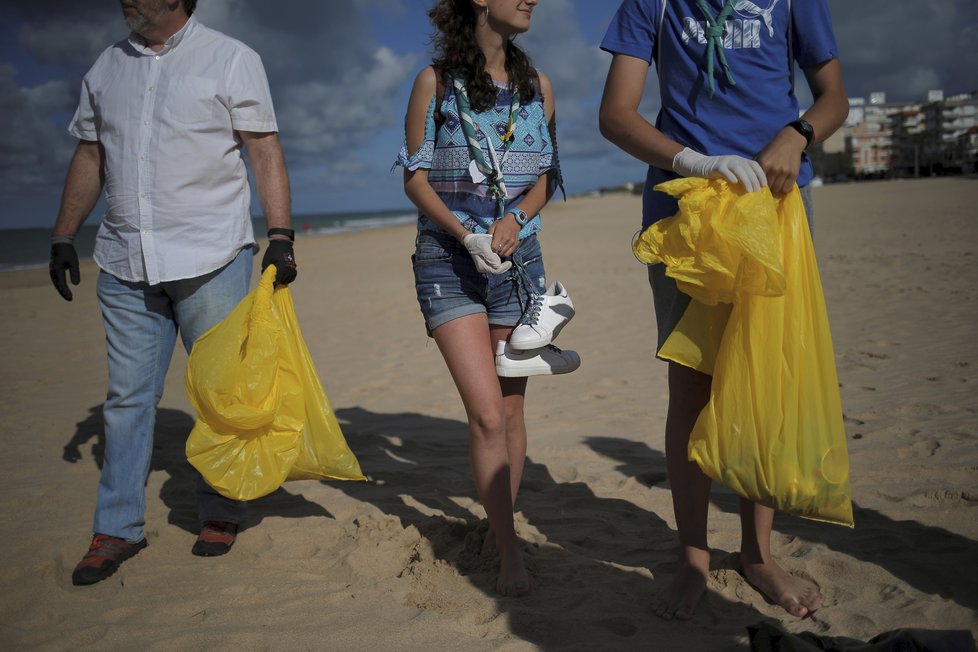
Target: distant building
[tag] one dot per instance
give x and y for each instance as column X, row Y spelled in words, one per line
column 896, row 139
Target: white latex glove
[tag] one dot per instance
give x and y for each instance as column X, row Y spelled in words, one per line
column 735, row 169
column 479, row 246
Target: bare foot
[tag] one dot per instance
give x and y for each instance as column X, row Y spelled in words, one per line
column 513, row 580
column 680, row 598
column 796, row 596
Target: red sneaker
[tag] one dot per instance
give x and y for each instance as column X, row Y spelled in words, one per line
column 215, row 538
column 103, row 558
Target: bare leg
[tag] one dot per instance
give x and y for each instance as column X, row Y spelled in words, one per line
column 514, row 394
column 795, row 595
column 689, row 392
column 464, row 343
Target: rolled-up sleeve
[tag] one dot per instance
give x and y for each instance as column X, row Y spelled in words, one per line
column 249, row 98
column 83, row 124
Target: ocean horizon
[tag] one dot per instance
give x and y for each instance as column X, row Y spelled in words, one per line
column 29, row 248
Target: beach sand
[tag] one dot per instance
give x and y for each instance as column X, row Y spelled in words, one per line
column 393, row 564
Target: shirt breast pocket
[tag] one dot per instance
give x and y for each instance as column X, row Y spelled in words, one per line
column 191, row 100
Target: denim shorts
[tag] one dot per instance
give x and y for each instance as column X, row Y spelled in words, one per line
column 670, row 302
column 449, row 286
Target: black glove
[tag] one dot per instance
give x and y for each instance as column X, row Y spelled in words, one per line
column 63, row 257
column 280, row 254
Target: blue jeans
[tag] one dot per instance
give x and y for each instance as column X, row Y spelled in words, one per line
column 141, row 324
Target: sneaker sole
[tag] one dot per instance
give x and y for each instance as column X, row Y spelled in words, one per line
column 529, row 345
column 542, row 370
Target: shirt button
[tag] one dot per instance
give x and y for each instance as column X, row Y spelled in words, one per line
column 157, row 57
column 143, row 195
column 146, row 122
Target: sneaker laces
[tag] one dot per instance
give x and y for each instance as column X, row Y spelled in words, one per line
column 532, row 314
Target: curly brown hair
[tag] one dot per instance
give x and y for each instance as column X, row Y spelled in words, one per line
column 456, row 51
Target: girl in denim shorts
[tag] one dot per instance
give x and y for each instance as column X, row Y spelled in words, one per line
column 480, row 162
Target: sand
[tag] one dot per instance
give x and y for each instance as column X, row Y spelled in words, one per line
column 394, row 565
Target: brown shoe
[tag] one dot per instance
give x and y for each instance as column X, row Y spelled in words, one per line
column 103, row 558
column 215, row 538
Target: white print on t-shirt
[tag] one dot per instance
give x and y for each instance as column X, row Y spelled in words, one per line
column 750, row 9
column 738, row 32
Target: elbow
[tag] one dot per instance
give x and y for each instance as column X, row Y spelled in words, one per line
column 606, row 123
column 843, row 109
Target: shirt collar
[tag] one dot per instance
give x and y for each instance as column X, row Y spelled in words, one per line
column 139, row 43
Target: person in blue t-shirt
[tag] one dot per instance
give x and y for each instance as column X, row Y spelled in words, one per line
column 725, row 72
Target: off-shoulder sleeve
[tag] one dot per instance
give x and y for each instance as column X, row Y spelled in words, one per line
column 422, row 157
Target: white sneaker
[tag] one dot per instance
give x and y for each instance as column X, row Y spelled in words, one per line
column 538, row 362
column 548, row 313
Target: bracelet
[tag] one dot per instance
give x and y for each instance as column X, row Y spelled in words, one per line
column 520, row 215
column 289, row 233
column 62, row 239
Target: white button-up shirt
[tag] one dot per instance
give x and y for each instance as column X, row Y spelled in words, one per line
column 175, row 182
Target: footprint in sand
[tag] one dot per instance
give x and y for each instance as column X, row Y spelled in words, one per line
column 920, row 449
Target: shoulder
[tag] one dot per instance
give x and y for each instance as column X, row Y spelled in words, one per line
column 644, row 11
column 108, row 57
column 427, row 77
column 221, row 43
column 425, row 83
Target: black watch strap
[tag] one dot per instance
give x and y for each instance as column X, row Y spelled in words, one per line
column 289, row 233
column 805, row 129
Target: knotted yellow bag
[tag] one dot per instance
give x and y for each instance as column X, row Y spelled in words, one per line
column 263, row 416
column 772, row 431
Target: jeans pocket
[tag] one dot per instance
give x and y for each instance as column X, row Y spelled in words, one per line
column 430, row 250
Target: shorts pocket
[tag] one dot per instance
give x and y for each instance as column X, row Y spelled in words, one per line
column 431, row 250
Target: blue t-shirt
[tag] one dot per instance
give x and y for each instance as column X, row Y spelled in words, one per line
column 761, row 41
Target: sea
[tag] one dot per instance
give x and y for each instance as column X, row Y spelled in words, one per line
column 29, row 248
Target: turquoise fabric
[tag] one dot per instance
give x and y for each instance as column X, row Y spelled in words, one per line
column 445, row 154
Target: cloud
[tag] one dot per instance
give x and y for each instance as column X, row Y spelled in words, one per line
column 34, row 151
column 907, row 48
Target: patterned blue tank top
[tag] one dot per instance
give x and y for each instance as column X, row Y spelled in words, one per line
column 445, row 154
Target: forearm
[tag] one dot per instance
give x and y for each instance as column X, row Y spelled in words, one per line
column 538, row 196
column 422, row 195
column 826, row 115
column 831, row 105
column 271, row 180
column 83, row 185
column 626, row 128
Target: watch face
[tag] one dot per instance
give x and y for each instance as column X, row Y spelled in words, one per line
column 805, row 129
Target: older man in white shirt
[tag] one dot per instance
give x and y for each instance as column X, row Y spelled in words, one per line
column 161, row 122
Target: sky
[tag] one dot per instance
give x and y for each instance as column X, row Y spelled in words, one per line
column 341, row 71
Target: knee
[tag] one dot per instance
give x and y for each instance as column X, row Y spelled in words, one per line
column 489, row 423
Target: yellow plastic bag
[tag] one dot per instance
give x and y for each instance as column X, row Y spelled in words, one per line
column 263, row 416
column 772, row 431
